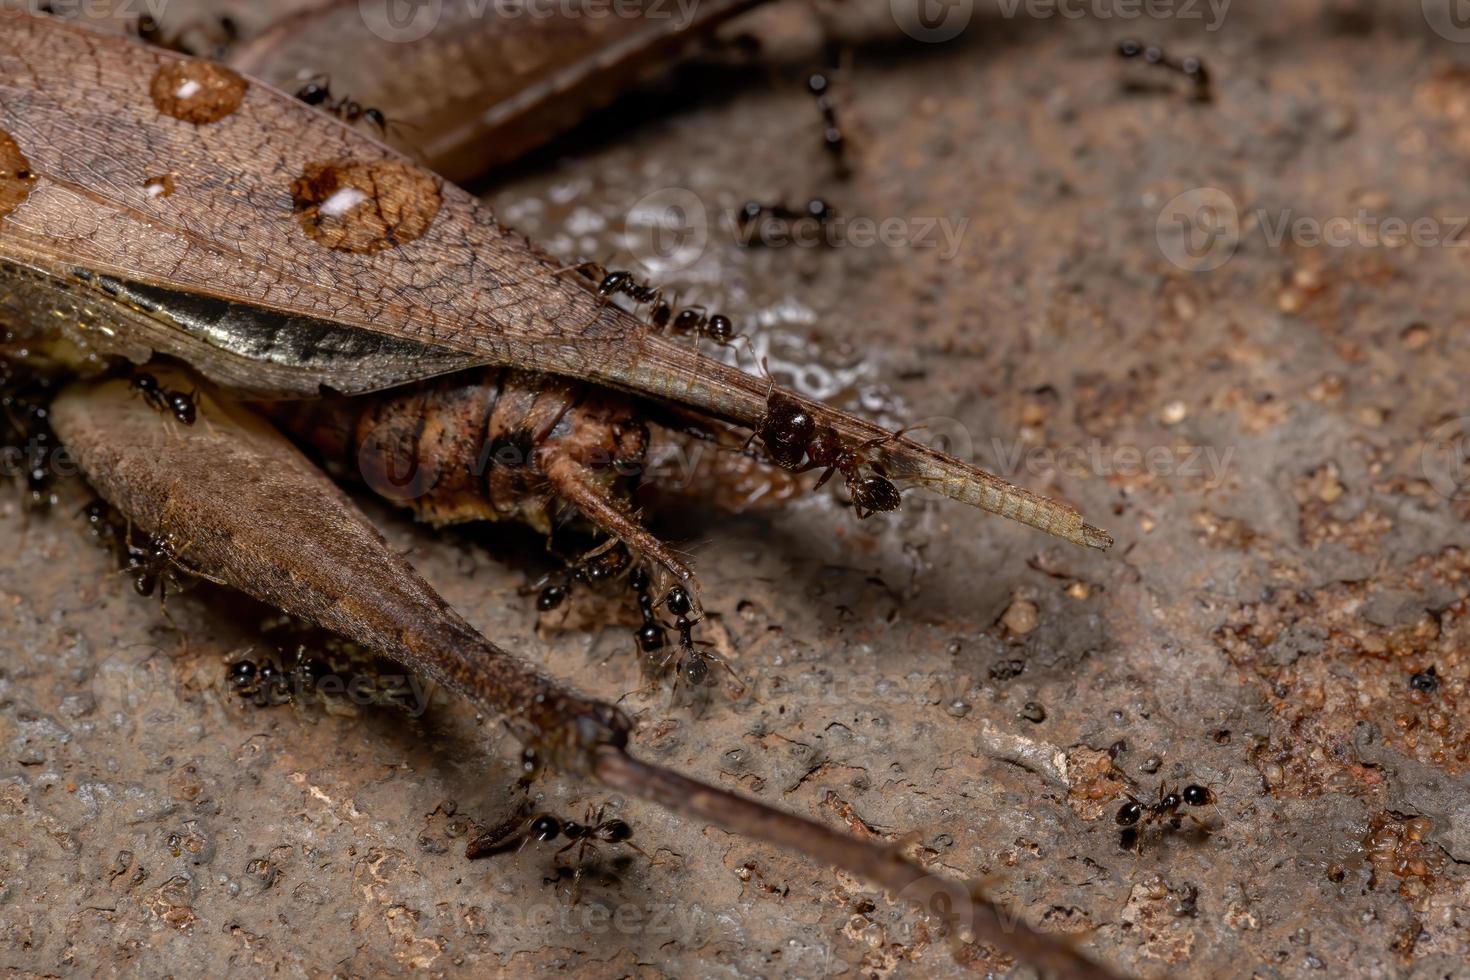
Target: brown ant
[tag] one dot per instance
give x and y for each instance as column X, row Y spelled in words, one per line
column 180, row 404
column 819, row 84
column 795, row 441
column 1190, row 67
column 1134, row 815
column 318, row 94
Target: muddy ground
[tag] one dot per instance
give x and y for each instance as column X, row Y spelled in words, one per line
column 1269, row 423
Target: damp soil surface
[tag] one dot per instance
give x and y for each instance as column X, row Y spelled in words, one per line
column 1269, row 421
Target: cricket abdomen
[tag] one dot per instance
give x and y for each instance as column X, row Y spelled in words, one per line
column 489, row 444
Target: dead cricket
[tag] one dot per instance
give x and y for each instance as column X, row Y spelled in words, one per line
column 300, row 269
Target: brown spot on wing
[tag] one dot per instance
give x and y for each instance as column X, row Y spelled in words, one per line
column 16, row 176
column 198, row 92
column 160, row 186
column 365, row 206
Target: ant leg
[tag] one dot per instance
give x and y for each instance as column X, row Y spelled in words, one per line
column 578, row 486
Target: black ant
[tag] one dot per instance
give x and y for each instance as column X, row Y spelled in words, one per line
column 1165, row 809
column 652, row 635
column 795, row 441
column 543, row 828
column 602, row 565
column 319, row 95
column 832, row 138
column 1190, row 67
column 717, row 327
column 753, row 214
column 220, row 35
column 106, row 525
column 180, row 404
column 25, row 433
column 153, row 563
column 690, row 662
column 266, row 683
column 610, row 284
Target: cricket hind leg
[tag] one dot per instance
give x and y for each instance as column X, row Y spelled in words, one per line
column 579, row 486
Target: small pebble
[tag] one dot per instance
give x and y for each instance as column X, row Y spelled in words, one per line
column 1151, row 765
column 1021, row 618
column 1034, row 712
column 1174, row 413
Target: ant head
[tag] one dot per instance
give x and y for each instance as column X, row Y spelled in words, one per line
column 313, row 93
column 720, row 328
column 678, row 601
column 1196, row 795
column 651, row 638
column 545, row 828
column 551, row 597
column 875, row 493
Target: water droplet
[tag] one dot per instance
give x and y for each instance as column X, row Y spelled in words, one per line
column 354, row 206
column 16, row 176
column 198, row 92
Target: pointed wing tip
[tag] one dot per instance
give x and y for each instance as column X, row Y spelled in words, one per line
column 1096, row 537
